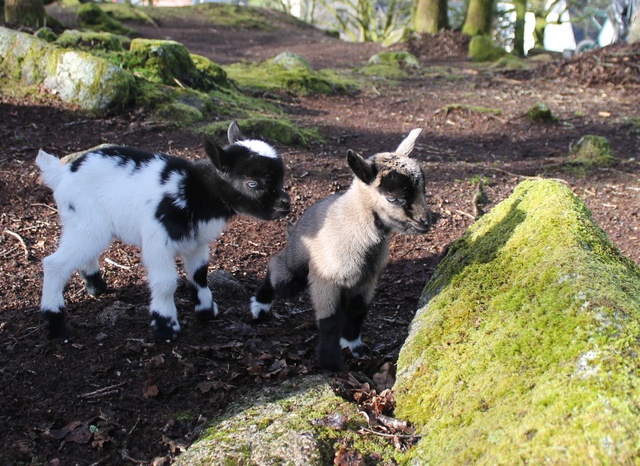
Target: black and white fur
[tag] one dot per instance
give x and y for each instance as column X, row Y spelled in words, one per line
column 341, row 244
column 167, row 206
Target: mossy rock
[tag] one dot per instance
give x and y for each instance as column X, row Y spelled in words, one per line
column 483, row 48
column 527, row 347
column 93, row 84
column 275, row 130
column 541, row 112
column 291, row 61
column 169, row 62
column 298, row 422
column 91, row 40
column 592, row 151
column 272, row 77
column 511, row 62
column 213, row 74
column 179, row 113
column 91, row 16
column 402, row 58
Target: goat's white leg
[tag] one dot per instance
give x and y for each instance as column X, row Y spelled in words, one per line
column 195, row 266
column 76, row 249
column 163, row 281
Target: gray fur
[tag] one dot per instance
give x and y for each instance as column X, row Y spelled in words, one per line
column 340, row 246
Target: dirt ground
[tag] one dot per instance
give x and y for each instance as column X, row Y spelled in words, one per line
column 116, row 396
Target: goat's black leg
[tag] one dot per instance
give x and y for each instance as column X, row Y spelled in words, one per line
column 94, row 283
column 329, row 351
column 356, row 311
column 261, row 302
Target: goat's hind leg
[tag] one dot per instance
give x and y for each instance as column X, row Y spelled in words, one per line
column 163, row 281
column 75, row 251
column 196, row 265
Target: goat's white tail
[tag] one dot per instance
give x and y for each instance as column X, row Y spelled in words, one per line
column 51, row 169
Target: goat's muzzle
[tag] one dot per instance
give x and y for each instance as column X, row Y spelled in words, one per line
column 281, row 207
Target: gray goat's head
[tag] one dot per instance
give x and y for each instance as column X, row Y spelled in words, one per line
column 395, row 185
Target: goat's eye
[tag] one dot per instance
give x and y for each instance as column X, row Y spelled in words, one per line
column 253, row 184
column 397, row 201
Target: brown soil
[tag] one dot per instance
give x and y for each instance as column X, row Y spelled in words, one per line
column 116, row 396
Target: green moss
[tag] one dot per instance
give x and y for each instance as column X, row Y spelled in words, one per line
column 91, row 41
column 483, row 48
column 277, row 130
column 401, row 58
column 46, row 34
column 270, row 76
column 91, row 16
column 179, row 113
column 471, row 108
column 124, row 12
column 511, row 62
column 541, row 112
column 527, row 347
column 592, row 151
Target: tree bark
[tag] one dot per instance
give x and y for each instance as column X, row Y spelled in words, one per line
column 518, row 40
column 26, row 12
column 479, row 19
column 430, row 16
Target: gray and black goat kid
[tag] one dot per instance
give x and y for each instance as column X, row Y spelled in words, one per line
column 340, row 245
column 167, row 206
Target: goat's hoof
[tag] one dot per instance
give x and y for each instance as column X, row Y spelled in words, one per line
column 359, row 351
column 164, row 328
column 259, row 310
column 94, row 284
column 206, row 314
column 56, row 326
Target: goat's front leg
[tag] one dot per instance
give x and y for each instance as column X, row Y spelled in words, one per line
column 355, row 312
column 326, row 301
column 196, row 265
column 163, row 281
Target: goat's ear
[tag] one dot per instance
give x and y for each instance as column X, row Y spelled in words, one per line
column 362, row 168
column 406, row 147
column 234, row 133
column 214, row 152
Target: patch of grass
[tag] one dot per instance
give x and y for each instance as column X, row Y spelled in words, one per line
column 471, row 108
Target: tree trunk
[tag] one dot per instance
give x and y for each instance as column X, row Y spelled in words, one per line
column 430, row 16
column 26, row 12
column 479, row 18
column 518, row 40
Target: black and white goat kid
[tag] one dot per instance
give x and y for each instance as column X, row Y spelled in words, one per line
column 167, row 206
column 340, row 245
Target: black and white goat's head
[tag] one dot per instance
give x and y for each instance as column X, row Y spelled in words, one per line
column 254, row 172
column 394, row 186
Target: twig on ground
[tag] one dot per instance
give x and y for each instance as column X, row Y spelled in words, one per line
column 22, row 243
column 110, row 390
column 114, row 263
column 383, row 434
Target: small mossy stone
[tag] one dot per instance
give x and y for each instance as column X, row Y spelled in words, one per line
column 526, row 348
column 592, row 151
column 179, row 113
column 278, row 130
column 540, row 112
column 91, row 16
column 483, row 48
column 46, row 34
column 291, row 61
column 401, row 58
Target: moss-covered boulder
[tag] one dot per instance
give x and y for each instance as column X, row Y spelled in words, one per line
column 400, row 58
column 76, row 77
column 592, row 151
column 483, row 48
column 91, row 40
column 91, row 16
column 528, row 345
column 299, row 422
